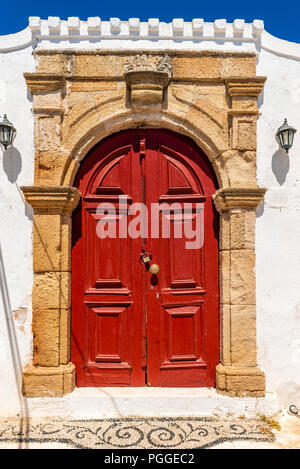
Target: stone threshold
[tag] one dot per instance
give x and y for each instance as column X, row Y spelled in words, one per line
column 107, row 402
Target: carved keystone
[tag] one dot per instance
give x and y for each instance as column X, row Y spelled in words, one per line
column 147, row 77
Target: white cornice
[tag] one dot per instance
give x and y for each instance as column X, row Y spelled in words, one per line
column 134, row 34
column 153, row 34
column 280, row 46
column 17, row 41
column 196, row 35
column 55, row 28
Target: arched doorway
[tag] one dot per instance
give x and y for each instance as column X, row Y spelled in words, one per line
column 129, row 327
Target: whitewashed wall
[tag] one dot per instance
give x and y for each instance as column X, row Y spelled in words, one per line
column 278, row 219
column 278, row 226
column 16, row 169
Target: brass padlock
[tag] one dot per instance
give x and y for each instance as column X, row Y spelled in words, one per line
column 145, row 257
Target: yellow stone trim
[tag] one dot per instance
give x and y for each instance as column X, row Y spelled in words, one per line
column 186, row 65
column 241, row 86
column 62, row 199
column 48, row 110
column 43, row 82
column 240, row 381
column 238, row 198
column 238, row 112
column 146, row 88
column 49, row 381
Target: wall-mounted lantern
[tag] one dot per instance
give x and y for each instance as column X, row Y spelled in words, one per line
column 7, row 132
column 285, row 136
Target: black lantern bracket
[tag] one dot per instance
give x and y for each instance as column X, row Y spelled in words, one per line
column 285, row 136
column 7, row 132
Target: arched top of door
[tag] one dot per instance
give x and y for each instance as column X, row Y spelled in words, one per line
column 206, row 138
column 188, row 164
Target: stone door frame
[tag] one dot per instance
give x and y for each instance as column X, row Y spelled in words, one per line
column 79, row 98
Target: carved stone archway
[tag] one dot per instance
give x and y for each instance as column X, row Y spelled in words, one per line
column 78, row 99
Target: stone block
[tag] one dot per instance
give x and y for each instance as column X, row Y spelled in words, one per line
column 47, row 133
column 240, row 66
column 65, row 336
column 201, row 67
column 66, row 241
column 242, row 229
column 238, row 168
column 224, row 232
column 224, row 280
column 46, row 336
column 49, row 167
column 242, row 277
column 47, row 243
column 240, row 381
column 48, row 381
column 243, row 133
column 225, row 334
column 51, row 290
column 244, row 104
column 243, row 335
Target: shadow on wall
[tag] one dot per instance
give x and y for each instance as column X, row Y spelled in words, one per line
column 280, row 165
column 12, row 166
column 15, row 354
column 260, row 209
column 12, row 163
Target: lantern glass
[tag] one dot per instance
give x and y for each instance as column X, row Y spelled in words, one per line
column 285, row 138
column 285, row 135
column 7, row 132
column 291, row 138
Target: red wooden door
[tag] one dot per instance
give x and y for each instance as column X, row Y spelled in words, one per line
column 131, row 328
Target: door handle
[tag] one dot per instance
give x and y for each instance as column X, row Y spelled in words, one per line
column 154, row 269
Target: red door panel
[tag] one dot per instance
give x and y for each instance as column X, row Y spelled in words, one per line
column 183, row 304
column 106, row 282
column 130, row 328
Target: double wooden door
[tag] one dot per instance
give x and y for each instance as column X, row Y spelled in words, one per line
column 146, row 196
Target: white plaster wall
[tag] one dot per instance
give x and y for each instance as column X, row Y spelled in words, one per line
column 278, row 230
column 278, row 219
column 16, row 169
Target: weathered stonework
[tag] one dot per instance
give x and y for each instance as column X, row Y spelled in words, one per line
column 51, row 373
column 48, row 381
column 147, row 78
column 238, row 375
column 81, row 97
column 43, row 82
column 240, row 382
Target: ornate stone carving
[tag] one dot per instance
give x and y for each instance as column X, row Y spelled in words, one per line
column 148, row 63
column 147, row 76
